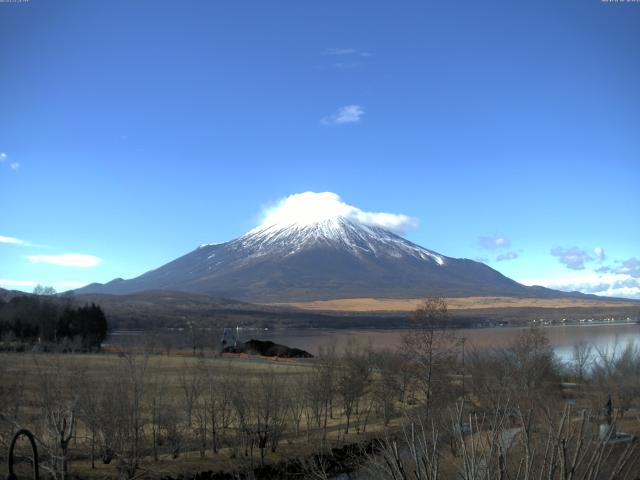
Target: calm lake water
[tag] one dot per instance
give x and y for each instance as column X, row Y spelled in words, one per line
column 562, row 338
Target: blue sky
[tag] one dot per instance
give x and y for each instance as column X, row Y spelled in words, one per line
column 131, row 132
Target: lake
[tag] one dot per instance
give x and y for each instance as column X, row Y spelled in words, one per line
column 562, row 338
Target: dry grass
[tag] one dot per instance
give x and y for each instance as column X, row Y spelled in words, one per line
column 168, row 368
column 460, row 303
column 28, row 368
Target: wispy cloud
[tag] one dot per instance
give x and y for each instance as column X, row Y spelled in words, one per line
column 27, row 285
column 599, row 254
column 574, row 258
column 507, row 256
column 345, row 58
column 310, row 207
column 346, row 52
column 10, row 283
column 13, row 165
column 18, row 241
column 498, row 244
column 340, row 51
column 345, row 65
column 605, row 284
column 630, row 267
column 78, row 260
column 494, row 242
column 346, row 114
column 12, row 240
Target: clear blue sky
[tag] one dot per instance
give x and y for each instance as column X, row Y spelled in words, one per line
column 133, row 131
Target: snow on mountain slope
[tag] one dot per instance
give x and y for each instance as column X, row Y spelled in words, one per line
column 314, row 246
column 332, row 257
column 340, row 232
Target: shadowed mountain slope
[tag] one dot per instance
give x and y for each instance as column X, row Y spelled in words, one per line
column 333, row 258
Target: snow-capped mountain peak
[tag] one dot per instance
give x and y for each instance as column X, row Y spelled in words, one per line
column 314, row 246
column 312, row 208
column 340, row 232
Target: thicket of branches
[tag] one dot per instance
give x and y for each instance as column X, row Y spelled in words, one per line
column 437, row 407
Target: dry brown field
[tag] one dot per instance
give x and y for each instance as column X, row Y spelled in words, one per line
column 460, row 303
column 170, row 373
column 167, row 378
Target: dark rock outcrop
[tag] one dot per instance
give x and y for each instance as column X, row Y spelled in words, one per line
column 267, row 348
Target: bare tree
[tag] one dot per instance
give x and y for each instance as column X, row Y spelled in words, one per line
column 42, row 290
column 534, row 367
column 171, row 428
column 490, row 376
column 430, row 344
column 314, row 400
column 127, row 419
column 200, row 427
column 353, row 380
column 156, row 403
column 297, row 402
column 269, row 408
column 560, row 446
column 387, row 389
column 413, row 456
column 526, row 372
column 321, row 387
column 11, row 404
column 582, row 356
column 57, row 399
column 218, row 401
column 616, row 372
column 242, row 409
column 89, row 389
column 191, row 383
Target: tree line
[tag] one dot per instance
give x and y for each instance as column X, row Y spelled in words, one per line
column 45, row 318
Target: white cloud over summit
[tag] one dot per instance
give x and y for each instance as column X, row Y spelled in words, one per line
column 311, row 207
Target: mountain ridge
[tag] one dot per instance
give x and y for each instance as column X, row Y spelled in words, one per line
column 330, row 258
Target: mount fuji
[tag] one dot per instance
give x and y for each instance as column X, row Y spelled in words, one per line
column 319, row 258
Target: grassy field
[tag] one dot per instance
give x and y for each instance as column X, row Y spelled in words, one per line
column 167, row 380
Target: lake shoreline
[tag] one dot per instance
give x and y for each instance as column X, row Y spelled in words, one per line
column 562, row 337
